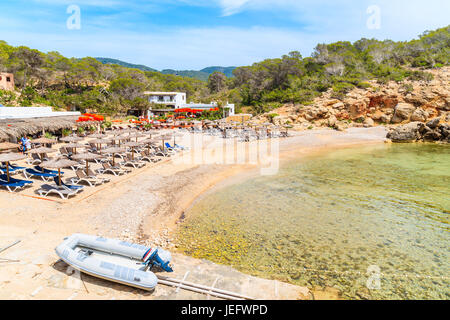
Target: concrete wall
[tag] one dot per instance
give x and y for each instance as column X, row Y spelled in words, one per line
column 32, row 112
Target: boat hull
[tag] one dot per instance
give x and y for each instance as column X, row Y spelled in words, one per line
column 109, row 259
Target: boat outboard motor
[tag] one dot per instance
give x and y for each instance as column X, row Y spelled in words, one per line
column 157, row 257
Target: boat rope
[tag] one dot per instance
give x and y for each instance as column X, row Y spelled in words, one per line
column 185, row 285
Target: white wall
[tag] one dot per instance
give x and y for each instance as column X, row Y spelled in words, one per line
column 32, row 112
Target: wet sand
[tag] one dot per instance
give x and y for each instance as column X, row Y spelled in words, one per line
column 144, row 206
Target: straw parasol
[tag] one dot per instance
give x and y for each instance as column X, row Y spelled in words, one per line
column 44, row 140
column 8, row 146
column 41, row 151
column 71, row 139
column 133, row 145
column 58, row 164
column 98, row 136
column 8, row 157
column 99, row 142
column 119, row 139
column 86, row 157
column 176, row 135
column 163, row 139
column 113, row 151
column 74, row 146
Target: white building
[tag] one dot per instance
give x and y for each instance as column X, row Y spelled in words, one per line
column 177, row 100
column 174, row 100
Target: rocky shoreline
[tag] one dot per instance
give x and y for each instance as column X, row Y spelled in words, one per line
column 394, row 104
column 432, row 131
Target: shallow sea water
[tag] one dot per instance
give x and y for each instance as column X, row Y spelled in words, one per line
column 372, row 222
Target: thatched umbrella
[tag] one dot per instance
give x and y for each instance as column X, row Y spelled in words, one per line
column 119, row 139
column 113, row 151
column 41, row 151
column 86, row 157
column 59, row 164
column 8, row 146
column 44, row 140
column 98, row 136
column 133, row 145
column 8, row 157
column 163, row 139
column 71, row 139
column 136, row 135
column 74, row 146
column 176, row 135
column 99, row 142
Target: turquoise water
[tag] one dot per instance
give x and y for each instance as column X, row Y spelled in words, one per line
column 321, row 222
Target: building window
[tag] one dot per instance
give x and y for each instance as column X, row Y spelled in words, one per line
column 8, row 79
column 161, row 98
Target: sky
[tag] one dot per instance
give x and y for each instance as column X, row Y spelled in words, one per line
column 194, row 34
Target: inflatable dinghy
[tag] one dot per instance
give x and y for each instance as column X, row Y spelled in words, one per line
column 114, row 260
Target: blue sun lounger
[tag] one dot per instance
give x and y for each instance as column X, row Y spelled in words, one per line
column 12, row 186
column 30, row 173
column 40, row 169
column 4, row 178
column 68, row 186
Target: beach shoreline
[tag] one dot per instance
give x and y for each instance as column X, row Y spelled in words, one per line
column 119, row 210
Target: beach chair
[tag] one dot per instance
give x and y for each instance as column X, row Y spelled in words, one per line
column 134, row 163
column 116, row 171
column 147, row 156
column 63, row 151
column 4, row 178
column 31, row 173
column 82, row 177
column 63, row 192
column 91, row 174
column 71, row 187
column 12, row 186
column 40, row 169
column 12, row 168
column 35, row 159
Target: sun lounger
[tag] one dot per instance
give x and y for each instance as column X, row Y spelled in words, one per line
column 147, row 156
column 30, row 173
column 82, row 177
column 91, row 174
column 35, row 159
column 134, row 163
column 63, row 192
column 4, row 178
column 107, row 168
column 13, row 168
column 12, row 186
column 71, row 187
column 40, row 169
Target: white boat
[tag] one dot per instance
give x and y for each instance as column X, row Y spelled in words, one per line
column 114, row 260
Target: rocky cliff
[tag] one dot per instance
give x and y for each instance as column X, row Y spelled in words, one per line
column 392, row 104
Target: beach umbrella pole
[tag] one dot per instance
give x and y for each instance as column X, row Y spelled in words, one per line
column 59, row 176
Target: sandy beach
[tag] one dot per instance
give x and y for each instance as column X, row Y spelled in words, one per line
column 144, row 207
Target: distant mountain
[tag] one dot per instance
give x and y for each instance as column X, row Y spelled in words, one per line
column 228, row 71
column 125, row 64
column 188, row 73
column 200, row 75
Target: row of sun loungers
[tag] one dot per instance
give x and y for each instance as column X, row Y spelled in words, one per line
column 75, row 185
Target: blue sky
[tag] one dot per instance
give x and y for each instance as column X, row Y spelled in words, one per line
column 193, row 34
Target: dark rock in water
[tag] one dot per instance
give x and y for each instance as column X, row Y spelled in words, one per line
column 433, row 124
column 416, row 131
column 432, row 136
column 406, row 133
